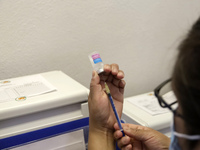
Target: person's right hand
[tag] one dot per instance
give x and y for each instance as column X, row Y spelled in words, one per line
column 140, row 138
column 100, row 111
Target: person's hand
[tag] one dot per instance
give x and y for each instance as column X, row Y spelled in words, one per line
column 140, row 138
column 101, row 115
column 100, row 111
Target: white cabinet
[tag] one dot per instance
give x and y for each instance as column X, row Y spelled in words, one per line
column 41, row 120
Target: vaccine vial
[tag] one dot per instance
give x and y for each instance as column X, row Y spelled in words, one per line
column 96, row 62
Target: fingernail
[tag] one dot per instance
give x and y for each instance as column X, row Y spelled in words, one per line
column 115, row 70
column 106, row 67
column 120, row 74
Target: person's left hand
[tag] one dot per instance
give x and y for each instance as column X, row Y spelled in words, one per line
column 100, row 111
column 139, row 137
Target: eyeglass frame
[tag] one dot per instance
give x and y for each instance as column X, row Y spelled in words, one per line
column 162, row 101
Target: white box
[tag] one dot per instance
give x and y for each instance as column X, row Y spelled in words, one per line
column 135, row 115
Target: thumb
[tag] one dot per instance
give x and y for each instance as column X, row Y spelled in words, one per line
column 137, row 133
column 94, row 84
column 95, row 79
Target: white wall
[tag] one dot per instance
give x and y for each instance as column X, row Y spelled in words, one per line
column 140, row 35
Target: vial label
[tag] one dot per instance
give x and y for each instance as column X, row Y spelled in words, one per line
column 96, row 58
column 96, row 62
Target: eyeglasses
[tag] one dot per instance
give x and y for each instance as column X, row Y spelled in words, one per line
column 166, row 97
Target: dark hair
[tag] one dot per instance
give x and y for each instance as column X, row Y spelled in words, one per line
column 186, row 79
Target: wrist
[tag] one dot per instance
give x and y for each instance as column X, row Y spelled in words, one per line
column 101, row 131
column 100, row 138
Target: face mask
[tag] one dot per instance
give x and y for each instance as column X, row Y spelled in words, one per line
column 174, row 145
column 174, row 140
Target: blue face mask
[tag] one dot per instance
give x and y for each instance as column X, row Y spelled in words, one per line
column 174, row 145
column 174, row 140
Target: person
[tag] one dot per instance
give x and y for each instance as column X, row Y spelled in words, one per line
column 185, row 83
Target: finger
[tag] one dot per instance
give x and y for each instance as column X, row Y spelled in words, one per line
column 137, row 145
column 107, row 69
column 112, row 72
column 116, row 126
column 122, row 86
column 123, row 141
column 116, row 82
column 137, row 132
column 115, row 69
column 109, row 78
column 117, row 79
column 127, row 147
column 119, row 83
column 117, row 135
column 133, row 140
column 120, row 74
